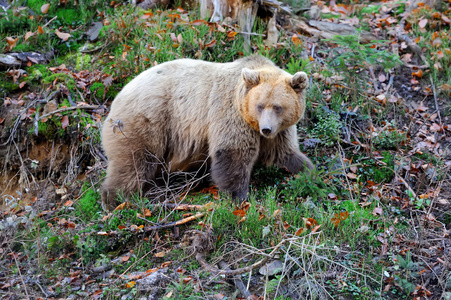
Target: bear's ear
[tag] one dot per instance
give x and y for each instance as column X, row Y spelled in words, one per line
column 299, row 82
column 251, row 77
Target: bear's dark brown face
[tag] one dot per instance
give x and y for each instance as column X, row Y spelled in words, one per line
column 274, row 101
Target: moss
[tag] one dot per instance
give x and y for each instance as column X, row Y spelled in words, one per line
column 62, row 77
column 83, row 61
column 68, row 15
column 87, row 207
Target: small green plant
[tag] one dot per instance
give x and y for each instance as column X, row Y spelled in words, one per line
column 328, row 127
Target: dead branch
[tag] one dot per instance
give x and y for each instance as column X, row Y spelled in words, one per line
column 174, row 224
column 200, row 258
column 185, row 207
column 236, row 280
column 69, row 108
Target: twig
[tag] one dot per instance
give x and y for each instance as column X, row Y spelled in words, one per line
column 51, row 20
column 20, row 274
column 69, row 108
column 173, row 224
column 435, row 99
column 236, row 280
column 200, row 258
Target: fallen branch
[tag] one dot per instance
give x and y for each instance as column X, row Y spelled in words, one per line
column 174, row 224
column 186, row 207
column 69, row 108
column 200, row 258
column 236, row 280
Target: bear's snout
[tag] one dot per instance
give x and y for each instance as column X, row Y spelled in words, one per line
column 266, row 131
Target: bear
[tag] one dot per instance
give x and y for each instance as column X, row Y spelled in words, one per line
column 185, row 111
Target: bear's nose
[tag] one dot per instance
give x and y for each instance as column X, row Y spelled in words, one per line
column 266, row 131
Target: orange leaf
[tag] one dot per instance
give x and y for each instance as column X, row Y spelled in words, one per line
column 344, row 215
column 239, row 213
column 295, row 39
column 242, row 220
column 131, row 284
column 121, row 227
column 11, row 42
column 231, row 33
column 65, row 122
column 276, row 213
column 125, row 258
column 418, row 73
column 310, row 222
column 45, row 8
column 316, row 228
column 286, row 225
column 299, row 231
column 147, row 212
column 68, row 203
column 121, row 206
column 62, row 35
column 40, row 30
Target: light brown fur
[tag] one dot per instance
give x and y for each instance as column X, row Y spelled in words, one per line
column 185, row 110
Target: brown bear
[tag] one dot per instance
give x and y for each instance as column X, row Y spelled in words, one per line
column 184, row 111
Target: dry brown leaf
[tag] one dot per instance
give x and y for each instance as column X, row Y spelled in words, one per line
column 45, row 8
column 62, row 35
column 160, row 254
column 422, row 23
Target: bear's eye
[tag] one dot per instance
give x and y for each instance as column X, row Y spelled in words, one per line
column 260, row 107
column 277, row 108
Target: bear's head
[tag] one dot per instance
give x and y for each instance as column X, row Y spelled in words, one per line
column 273, row 100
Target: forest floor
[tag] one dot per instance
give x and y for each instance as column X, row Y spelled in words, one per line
column 373, row 222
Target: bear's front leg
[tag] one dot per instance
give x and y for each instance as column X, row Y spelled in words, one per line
column 231, row 170
column 296, row 162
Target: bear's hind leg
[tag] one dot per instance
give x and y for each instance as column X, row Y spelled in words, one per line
column 231, row 171
column 127, row 176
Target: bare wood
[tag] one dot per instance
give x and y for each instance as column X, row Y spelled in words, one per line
column 200, row 258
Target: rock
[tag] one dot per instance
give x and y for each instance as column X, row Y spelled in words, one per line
column 94, row 31
column 152, row 285
column 272, row 268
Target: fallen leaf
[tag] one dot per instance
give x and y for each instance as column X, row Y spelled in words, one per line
column 160, row 254
column 239, row 213
column 286, row 225
column 296, row 41
column 40, row 30
column 62, row 35
column 377, row 211
column 68, row 203
column 351, row 175
column 315, row 229
column 422, row 23
column 131, row 284
column 187, row 279
column 210, row 44
column 65, row 122
column 45, row 8
column 299, row 231
column 22, row 84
